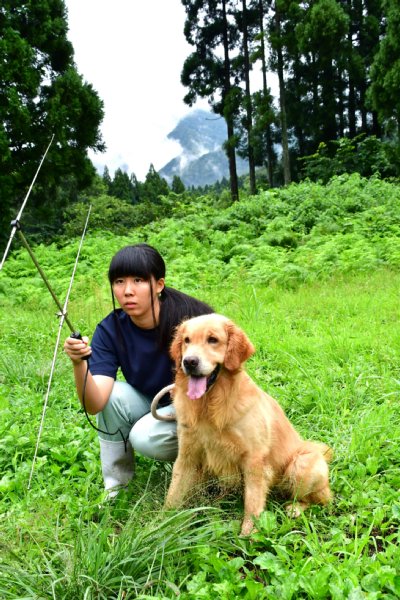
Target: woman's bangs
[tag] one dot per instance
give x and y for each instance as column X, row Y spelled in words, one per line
column 129, row 264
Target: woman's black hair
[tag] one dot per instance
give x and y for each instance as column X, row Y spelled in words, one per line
column 142, row 260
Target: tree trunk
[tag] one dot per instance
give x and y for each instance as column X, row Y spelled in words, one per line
column 268, row 135
column 228, row 114
column 285, row 142
column 351, row 111
column 341, row 109
column 249, row 108
column 329, row 129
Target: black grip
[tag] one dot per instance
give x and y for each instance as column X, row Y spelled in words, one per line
column 77, row 336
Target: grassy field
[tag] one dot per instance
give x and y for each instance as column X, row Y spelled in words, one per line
column 312, row 274
column 328, row 351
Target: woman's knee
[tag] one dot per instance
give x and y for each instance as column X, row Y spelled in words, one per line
column 155, row 439
column 124, row 407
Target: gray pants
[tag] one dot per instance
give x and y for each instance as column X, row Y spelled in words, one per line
column 129, row 410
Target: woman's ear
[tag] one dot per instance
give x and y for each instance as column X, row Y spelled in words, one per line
column 159, row 285
column 175, row 349
column 239, row 347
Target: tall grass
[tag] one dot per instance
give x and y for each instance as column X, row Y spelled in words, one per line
column 311, row 273
column 108, row 559
column 329, row 352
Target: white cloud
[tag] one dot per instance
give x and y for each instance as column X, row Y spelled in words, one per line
column 132, row 52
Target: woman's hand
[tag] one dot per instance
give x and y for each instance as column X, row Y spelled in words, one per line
column 77, row 349
column 95, row 390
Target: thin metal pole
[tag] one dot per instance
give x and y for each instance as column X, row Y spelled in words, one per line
column 46, row 401
column 14, row 229
column 76, row 263
column 46, row 281
column 61, row 323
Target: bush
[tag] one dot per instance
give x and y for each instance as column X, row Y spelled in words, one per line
column 365, row 155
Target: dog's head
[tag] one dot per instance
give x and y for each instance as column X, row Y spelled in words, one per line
column 203, row 344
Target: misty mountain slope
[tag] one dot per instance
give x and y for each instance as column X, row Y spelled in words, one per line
column 202, row 161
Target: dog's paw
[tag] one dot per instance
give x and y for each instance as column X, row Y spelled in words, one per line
column 248, row 527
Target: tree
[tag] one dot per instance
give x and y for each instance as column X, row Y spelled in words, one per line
column 136, row 189
column 323, row 37
column 246, row 20
column 363, row 38
column 208, row 72
column 42, row 94
column 385, row 72
column 107, row 179
column 177, row 185
column 121, row 186
column 153, row 187
column 264, row 113
column 277, row 45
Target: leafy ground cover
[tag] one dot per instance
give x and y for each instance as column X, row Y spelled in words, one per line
column 327, row 348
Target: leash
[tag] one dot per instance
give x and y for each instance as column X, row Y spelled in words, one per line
column 124, row 439
column 210, row 382
column 157, row 399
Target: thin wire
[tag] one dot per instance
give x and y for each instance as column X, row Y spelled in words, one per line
column 61, row 323
column 14, row 229
column 125, row 439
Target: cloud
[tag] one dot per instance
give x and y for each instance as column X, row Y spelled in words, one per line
column 132, row 53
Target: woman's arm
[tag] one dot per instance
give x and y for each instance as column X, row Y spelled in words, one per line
column 98, row 388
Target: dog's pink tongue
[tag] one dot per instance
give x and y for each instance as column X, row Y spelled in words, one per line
column 197, row 387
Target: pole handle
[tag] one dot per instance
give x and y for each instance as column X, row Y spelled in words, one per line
column 77, row 336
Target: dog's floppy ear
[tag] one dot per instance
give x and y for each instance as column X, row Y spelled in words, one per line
column 239, row 347
column 175, row 349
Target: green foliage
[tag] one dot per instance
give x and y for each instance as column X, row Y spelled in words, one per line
column 302, row 233
column 385, row 70
column 365, row 155
column 108, row 214
column 311, row 272
column 329, row 352
column 121, row 186
column 42, row 94
column 177, row 185
column 149, row 193
column 154, row 187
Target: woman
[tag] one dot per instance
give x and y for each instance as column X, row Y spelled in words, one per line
column 134, row 338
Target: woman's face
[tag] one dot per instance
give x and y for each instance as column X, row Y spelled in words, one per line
column 133, row 294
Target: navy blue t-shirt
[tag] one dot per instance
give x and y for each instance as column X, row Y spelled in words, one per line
column 132, row 349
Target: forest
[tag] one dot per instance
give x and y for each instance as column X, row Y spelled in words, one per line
column 336, row 108
column 303, row 253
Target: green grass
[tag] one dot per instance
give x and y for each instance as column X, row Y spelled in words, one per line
column 328, row 351
column 311, row 273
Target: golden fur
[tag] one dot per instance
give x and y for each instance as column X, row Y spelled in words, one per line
column 235, row 431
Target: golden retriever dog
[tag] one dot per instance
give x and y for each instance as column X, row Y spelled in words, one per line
column 231, row 429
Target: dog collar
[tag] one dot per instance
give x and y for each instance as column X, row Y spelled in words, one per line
column 213, row 377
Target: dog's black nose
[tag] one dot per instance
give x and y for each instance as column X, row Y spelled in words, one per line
column 191, row 363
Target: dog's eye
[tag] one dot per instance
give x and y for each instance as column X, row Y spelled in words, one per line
column 186, row 340
column 212, row 340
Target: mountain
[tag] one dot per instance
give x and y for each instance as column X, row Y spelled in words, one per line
column 201, row 135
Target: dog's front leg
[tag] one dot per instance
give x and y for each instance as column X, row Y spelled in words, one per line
column 184, row 478
column 257, row 479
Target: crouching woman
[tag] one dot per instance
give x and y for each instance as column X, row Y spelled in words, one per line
column 133, row 339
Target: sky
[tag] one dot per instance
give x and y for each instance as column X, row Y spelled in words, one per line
column 132, row 52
